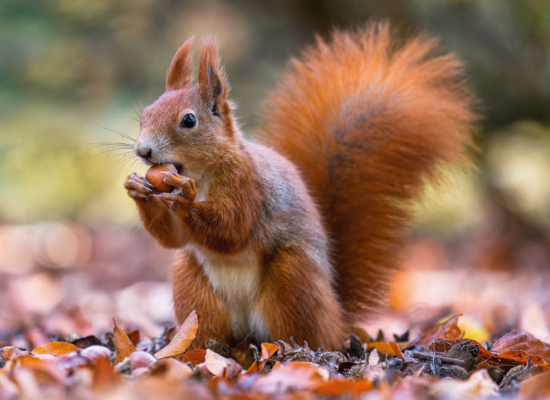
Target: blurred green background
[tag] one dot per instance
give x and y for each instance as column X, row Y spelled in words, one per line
column 74, row 71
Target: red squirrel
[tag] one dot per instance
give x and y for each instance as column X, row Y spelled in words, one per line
column 298, row 233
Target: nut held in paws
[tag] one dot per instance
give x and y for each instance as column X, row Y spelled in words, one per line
column 156, row 177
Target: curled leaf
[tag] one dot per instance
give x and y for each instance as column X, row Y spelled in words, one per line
column 123, row 344
column 445, row 330
column 185, row 335
column 521, row 341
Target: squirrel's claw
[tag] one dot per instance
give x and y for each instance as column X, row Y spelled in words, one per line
column 183, row 196
column 138, row 187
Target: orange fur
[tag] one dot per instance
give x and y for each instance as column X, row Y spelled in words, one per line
column 366, row 121
column 192, row 291
column 299, row 302
column 303, row 247
column 179, row 74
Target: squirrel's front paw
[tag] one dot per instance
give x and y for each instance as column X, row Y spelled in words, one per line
column 138, row 187
column 184, row 193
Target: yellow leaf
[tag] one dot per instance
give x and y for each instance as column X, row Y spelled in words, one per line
column 58, row 349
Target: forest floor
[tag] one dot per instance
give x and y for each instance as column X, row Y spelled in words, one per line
column 94, row 321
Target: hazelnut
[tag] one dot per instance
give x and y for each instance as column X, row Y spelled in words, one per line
column 156, row 176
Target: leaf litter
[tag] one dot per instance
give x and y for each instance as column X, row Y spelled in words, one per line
column 438, row 364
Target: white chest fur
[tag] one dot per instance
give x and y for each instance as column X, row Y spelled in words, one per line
column 236, row 280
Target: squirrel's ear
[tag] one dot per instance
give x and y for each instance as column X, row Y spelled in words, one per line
column 212, row 82
column 179, row 74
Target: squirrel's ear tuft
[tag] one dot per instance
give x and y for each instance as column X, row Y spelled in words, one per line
column 179, row 74
column 212, row 81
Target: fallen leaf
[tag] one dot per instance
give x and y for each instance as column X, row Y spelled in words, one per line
column 397, row 351
column 268, row 349
column 194, row 357
column 11, row 352
column 382, row 348
column 219, row 365
column 519, row 340
column 341, row 388
column 488, row 358
column 33, row 362
column 445, row 330
column 134, row 336
column 123, row 344
column 515, row 358
column 58, row 349
column 183, row 338
column 104, row 377
column 537, row 387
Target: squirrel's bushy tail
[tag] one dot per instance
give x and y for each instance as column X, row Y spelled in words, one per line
column 366, row 122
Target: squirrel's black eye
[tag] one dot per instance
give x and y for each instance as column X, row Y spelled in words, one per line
column 188, row 121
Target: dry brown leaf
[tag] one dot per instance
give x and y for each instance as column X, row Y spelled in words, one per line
column 446, row 330
column 516, row 358
column 134, row 336
column 185, row 335
column 519, row 340
column 123, row 344
column 195, row 357
column 219, row 365
column 58, row 349
column 489, row 358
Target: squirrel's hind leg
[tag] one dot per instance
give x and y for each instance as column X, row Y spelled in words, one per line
column 296, row 299
column 192, row 291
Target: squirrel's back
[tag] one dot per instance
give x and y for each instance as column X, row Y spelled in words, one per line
column 366, row 121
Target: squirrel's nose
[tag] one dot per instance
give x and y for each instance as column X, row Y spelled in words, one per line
column 144, row 152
